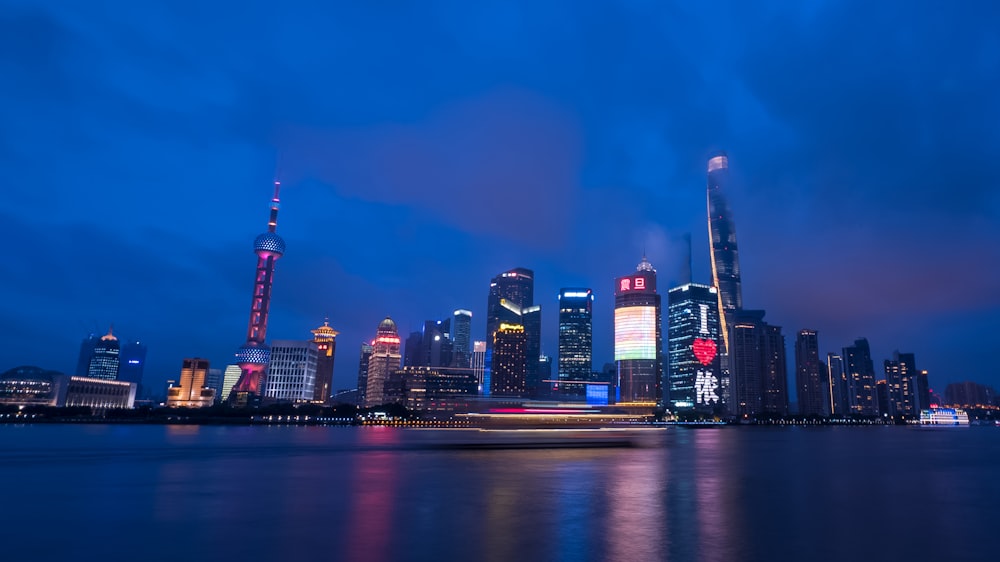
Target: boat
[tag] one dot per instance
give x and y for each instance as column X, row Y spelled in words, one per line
column 944, row 417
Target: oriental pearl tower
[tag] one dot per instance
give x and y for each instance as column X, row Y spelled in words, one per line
column 253, row 356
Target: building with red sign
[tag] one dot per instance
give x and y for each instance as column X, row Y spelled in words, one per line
column 638, row 338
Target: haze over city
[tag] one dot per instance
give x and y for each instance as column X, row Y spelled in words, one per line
column 424, row 150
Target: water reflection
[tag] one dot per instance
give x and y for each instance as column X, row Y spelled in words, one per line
column 372, row 498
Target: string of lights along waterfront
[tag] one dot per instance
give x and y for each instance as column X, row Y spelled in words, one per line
column 721, row 360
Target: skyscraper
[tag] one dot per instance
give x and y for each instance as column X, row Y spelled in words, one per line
column 385, row 359
column 291, row 374
column 810, row 375
column 513, row 292
column 131, row 362
column 900, row 377
column 254, row 356
column 860, row 378
column 746, row 363
column 325, row 340
column 461, row 338
column 575, row 339
column 105, row 360
column 86, row 352
column 191, row 391
column 229, row 378
column 638, row 338
column 693, row 340
column 509, row 374
column 775, row 375
column 722, row 244
column 479, row 362
column 214, row 380
column 363, row 361
column 838, row 386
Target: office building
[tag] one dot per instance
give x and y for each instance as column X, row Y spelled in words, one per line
column 385, row 359
column 430, row 390
column 191, row 390
column 132, row 361
column 509, row 372
column 479, row 362
column 900, row 377
column 363, row 361
column 461, row 338
column 99, row 395
column 325, row 340
column 575, row 362
column 105, row 360
column 860, row 372
column 638, row 338
column 229, row 377
column 511, row 300
column 214, row 380
column 838, row 386
column 254, row 356
column 291, row 374
column 775, row 375
column 723, row 251
column 810, row 376
column 86, row 353
column 693, row 340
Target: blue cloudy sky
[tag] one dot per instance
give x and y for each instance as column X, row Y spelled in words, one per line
column 426, row 146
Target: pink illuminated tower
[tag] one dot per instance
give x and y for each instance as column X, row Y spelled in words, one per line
column 254, row 356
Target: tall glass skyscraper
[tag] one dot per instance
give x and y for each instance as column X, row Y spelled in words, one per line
column 105, row 360
column 86, row 353
column 461, row 338
column 722, row 244
column 511, row 300
column 860, row 378
column 575, row 340
column 132, row 361
column 810, row 375
column 638, row 337
column 837, row 385
column 693, row 339
column 363, row 361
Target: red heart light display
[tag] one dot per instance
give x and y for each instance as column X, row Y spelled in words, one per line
column 704, row 350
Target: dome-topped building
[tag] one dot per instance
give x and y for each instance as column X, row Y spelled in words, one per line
column 385, row 359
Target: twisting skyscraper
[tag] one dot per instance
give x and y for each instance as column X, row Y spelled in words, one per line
column 722, row 245
column 254, row 356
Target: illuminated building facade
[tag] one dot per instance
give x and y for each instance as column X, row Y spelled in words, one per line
column 214, row 381
column 385, row 359
column 510, row 349
column 98, row 394
column 31, row 386
column 191, row 390
column 837, row 385
column 513, row 292
column 105, row 360
column 291, row 375
column 970, row 395
column 461, row 338
column 479, row 362
column 325, row 341
column 860, row 374
column 575, row 362
column 229, row 377
column 363, row 361
column 638, row 338
column 900, row 373
column 723, row 248
column 431, row 390
column 693, row 340
column 254, row 356
column 810, row 375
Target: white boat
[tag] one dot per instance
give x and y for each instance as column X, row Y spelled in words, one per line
column 944, row 416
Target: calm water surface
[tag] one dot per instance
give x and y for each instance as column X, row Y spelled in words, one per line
column 152, row 493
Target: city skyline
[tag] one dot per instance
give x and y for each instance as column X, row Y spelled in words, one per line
column 875, row 224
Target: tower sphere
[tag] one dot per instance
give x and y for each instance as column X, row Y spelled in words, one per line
column 269, row 243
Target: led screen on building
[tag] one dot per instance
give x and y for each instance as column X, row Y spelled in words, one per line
column 635, row 333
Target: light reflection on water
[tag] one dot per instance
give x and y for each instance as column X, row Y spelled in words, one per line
column 276, row 493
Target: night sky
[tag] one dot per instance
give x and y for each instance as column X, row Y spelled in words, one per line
column 424, row 148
